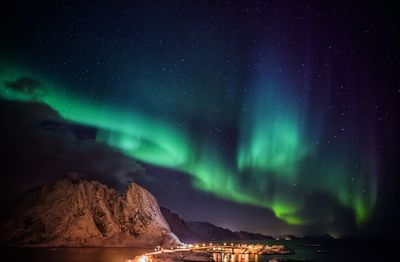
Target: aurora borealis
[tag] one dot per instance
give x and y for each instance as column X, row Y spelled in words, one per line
column 266, row 107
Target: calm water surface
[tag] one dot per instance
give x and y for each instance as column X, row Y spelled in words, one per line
column 72, row 254
column 334, row 250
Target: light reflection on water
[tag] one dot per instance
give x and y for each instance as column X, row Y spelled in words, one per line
column 337, row 250
column 73, row 254
column 222, row 257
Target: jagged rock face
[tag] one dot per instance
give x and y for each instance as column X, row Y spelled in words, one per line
column 82, row 213
column 179, row 227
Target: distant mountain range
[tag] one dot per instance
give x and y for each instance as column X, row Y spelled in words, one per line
column 194, row 232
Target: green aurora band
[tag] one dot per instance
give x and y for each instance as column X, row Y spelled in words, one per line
column 276, row 162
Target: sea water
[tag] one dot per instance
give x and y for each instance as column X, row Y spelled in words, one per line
column 310, row 250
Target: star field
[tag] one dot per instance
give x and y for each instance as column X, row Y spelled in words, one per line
column 284, row 107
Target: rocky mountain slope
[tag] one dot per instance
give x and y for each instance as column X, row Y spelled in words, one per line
column 74, row 212
column 196, row 232
column 253, row 236
column 210, row 232
column 179, row 227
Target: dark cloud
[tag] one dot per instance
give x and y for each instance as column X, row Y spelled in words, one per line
column 39, row 146
column 26, row 85
column 80, row 132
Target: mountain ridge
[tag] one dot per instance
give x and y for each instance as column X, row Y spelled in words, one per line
column 74, row 212
column 196, row 231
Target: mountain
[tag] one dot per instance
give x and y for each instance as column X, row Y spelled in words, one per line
column 195, row 232
column 319, row 237
column 252, row 236
column 288, row 237
column 179, row 227
column 210, row 232
column 73, row 212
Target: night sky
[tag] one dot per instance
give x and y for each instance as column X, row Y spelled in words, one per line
column 268, row 116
